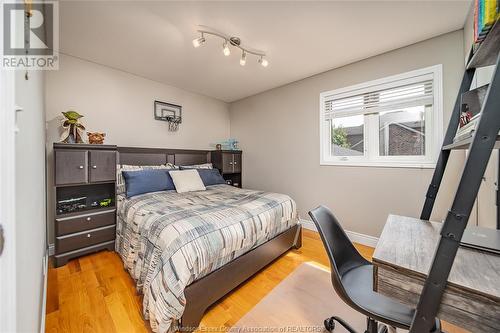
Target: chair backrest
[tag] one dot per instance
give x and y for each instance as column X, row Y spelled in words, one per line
column 341, row 252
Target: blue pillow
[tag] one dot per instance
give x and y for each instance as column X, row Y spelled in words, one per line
column 145, row 181
column 211, row 177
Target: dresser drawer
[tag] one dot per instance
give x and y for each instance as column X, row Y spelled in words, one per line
column 85, row 238
column 68, row 225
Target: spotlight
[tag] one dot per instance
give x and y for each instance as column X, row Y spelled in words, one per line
column 226, row 49
column 197, row 42
column 243, row 59
column 263, row 62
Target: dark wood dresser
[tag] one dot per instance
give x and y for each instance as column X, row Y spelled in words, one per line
column 229, row 164
column 85, row 212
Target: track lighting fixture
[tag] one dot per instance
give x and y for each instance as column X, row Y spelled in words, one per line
column 225, row 49
column 197, row 42
column 243, row 59
column 230, row 41
column 263, row 62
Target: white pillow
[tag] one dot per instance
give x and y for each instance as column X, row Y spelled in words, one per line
column 187, row 181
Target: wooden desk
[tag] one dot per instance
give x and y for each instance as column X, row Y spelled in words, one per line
column 403, row 257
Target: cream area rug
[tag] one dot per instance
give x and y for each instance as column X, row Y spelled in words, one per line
column 300, row 303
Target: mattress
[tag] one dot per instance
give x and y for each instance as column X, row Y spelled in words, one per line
column 167, row 240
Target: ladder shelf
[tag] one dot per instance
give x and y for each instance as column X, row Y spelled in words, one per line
column 480, row 146
column 465, row 144
column 487, row 51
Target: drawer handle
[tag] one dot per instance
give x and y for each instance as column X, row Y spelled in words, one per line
column 234, row 163
column 88, row 235
column 80, row 167
column 230, row 163
column 89, row 218
column 94, row 167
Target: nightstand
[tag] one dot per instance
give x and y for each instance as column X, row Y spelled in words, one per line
column 85, row 212
column 229, row 164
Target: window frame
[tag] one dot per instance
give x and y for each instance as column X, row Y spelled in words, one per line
column 372, row 158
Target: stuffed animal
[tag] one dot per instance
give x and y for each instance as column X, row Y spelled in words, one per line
column 96, row 138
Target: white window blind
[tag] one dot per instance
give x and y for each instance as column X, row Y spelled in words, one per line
column 408, row 95
column 394, row 121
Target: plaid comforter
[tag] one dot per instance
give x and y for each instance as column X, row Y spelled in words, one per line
column 167, row 239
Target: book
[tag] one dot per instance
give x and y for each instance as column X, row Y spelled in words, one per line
column 480, row 17
column 486, row 13
column 490, row 12
column 475, row 21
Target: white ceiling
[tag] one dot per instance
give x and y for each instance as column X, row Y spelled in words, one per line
column 153, row 38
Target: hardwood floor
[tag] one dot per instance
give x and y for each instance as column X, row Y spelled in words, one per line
column 95, row 294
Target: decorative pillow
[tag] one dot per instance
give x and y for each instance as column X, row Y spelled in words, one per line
column 197, row 166
column 120, row 182
column 211, row 177
column 187, row 181
column 145, row 181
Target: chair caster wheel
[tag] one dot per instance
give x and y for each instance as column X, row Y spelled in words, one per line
column 329, row 324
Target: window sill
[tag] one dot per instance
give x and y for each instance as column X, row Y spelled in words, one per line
column 392, row 164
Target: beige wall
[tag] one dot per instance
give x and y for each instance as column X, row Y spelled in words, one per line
column 279, row 134
column 468, row 31
column 121, row 105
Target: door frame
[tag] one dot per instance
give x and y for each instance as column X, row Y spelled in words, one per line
column 8, row 129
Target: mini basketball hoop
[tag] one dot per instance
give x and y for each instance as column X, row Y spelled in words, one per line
column 170, row 113
column 173, row 123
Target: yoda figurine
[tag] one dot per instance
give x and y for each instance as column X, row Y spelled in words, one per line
column 72, row 128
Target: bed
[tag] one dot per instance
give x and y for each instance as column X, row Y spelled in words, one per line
column 187, row 250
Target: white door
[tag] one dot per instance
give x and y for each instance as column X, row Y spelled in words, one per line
column 7, row 203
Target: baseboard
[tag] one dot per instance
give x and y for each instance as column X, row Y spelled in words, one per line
column 45, row 263
column 52, row 250
column 355, row 237
column 363, row 239
column 308, row 225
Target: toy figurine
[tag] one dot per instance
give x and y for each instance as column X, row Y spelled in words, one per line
column 72, row 128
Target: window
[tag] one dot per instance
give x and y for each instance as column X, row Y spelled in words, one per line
column 394, row 122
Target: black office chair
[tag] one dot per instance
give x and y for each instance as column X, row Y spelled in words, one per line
column 352, row 278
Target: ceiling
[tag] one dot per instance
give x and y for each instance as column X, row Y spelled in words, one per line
column 153, row 39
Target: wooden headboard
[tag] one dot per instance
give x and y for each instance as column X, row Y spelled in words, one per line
column 158, row 156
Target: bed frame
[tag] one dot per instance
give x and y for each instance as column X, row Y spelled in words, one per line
column 209, row 289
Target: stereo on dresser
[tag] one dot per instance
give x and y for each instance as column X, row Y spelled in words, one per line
column 85, row 211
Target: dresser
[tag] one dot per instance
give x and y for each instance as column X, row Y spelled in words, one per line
column 229, row 163
column 85, row 203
